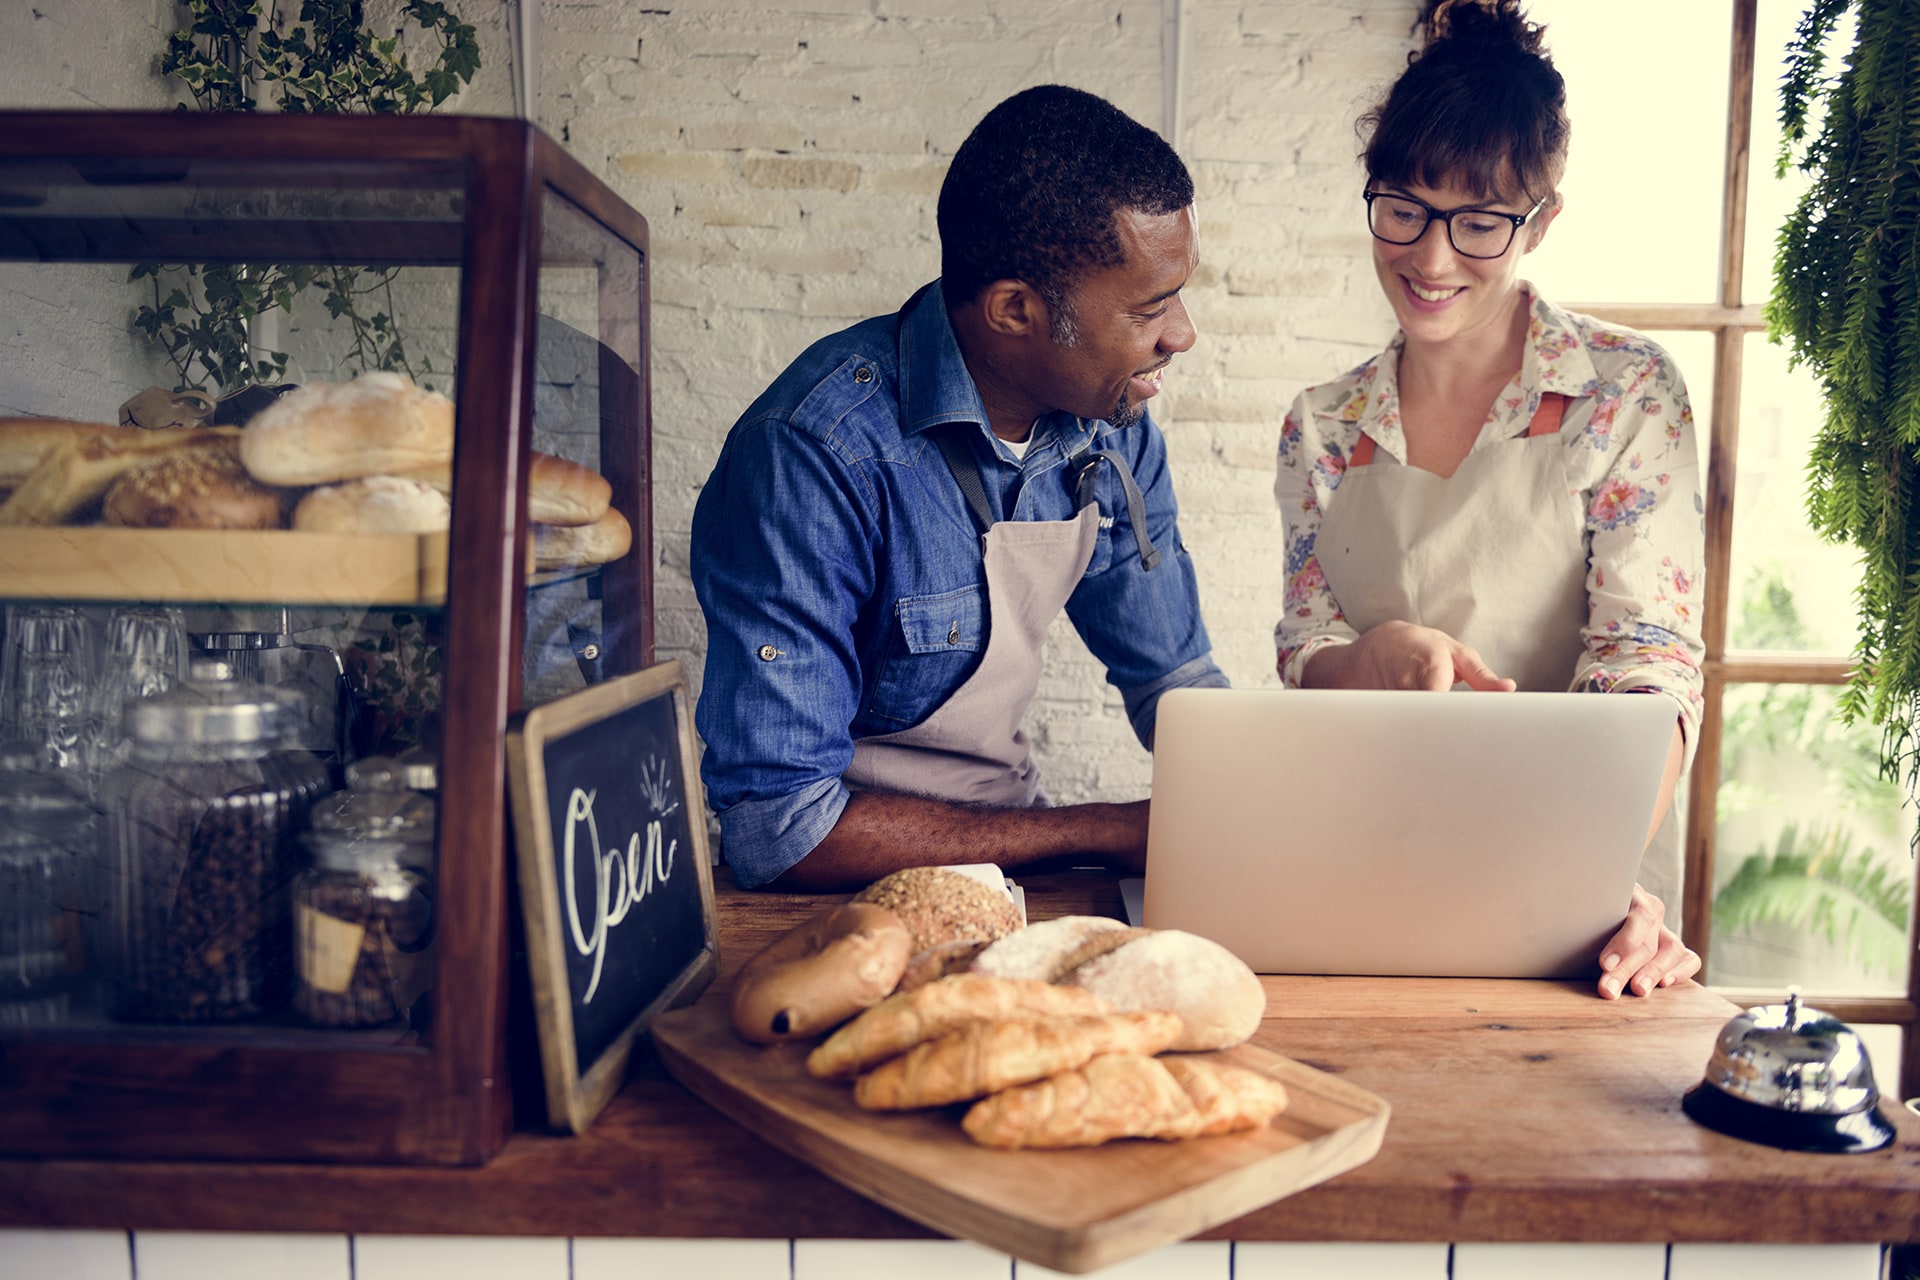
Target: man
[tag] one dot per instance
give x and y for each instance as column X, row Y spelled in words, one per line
column 893, row 524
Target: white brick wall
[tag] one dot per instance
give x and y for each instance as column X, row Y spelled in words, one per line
column 788, row 157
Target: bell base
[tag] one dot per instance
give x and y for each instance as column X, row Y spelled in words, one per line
column 1855, row 1132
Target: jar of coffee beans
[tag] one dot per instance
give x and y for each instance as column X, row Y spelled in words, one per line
column 202, row 818
column 363, row 911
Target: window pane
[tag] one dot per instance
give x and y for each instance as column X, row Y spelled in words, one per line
column 1813, row 882
column 1645, row 170
column 1790, row 588
column 1770, row 199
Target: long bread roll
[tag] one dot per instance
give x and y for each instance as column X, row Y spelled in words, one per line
column 24, row 441
column 901, row 1021
column 559, row 492
column 1125, row 1095
column 986, row 1057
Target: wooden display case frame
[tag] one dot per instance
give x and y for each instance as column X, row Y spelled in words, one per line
column 257, row 1093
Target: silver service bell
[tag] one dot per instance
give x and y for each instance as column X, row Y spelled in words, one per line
column 1793, row 1077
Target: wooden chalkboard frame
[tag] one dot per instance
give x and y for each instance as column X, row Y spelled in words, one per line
column 577, row 1091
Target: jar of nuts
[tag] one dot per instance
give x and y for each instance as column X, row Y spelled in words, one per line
column 363, row 911
column 201, row 824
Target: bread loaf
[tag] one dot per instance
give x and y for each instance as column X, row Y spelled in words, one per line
column 377, row 424
column 202, row 487
column 985, row 1057
column 374, row 504
column 1216, row 995
column 559, row 492
column 77, row 472
column 24, row 441
column 905, row 1019
column 1124, row 1095
column 941, row 905
column 561, row 546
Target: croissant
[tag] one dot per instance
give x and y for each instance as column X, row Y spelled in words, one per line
column 985, row 1057
column 905, row 1019
column 1123, row 1095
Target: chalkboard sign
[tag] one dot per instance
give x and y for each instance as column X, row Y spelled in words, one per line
column 610, row 837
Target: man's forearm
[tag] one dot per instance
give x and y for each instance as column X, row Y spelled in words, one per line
column 879, row 833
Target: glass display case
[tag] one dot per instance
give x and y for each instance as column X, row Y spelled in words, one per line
column 324, row 450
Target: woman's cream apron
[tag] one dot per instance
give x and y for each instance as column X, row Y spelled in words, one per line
column 972, row 749
column 1448, row 553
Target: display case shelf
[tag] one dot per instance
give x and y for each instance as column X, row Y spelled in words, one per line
column 531, row 300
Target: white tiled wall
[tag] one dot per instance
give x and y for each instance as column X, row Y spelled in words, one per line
column 167, row 1255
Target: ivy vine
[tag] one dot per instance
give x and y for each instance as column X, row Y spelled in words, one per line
column 1846, row 300
column 325, row 62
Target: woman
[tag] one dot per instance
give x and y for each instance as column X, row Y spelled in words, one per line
column 1508, row 495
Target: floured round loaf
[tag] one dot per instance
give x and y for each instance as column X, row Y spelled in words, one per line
column 941, row 906
column 375, row 504
column 1047, row 950
column 377, row 424
column 1214, row 992
column 203, row 487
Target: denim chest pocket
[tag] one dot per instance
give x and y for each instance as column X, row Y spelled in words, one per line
column 935, row 643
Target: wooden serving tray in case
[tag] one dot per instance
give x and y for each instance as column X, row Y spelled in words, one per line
column 1073, row 1211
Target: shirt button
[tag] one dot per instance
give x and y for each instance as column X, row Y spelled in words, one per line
column 863, row 374
column 768, row 653
column 589, row 651
column 953, row 633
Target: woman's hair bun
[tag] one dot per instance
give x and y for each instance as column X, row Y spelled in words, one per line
column 1477, row 21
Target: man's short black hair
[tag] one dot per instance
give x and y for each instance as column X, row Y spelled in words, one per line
column 1031, row 194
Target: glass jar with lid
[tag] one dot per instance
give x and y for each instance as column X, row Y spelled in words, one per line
column 201, row 824
column 363, row 911
column 51, row 890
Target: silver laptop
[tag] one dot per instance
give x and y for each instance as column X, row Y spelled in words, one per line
column 1439, row 834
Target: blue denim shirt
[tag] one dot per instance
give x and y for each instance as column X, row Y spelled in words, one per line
column 833, row 553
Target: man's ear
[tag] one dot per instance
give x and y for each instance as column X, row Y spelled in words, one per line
column 1013, row 309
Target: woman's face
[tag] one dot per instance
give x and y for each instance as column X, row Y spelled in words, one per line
column 1442, row 296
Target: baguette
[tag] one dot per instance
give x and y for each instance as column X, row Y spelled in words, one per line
column 1124, row 1095
column 81, row 469
column 986, row 1057
column 564, row 546
column 901, row 1021
column 24, row 441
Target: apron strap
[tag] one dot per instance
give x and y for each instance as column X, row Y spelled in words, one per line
column 1545, row 422
column 967, row 475
column 1085, row 491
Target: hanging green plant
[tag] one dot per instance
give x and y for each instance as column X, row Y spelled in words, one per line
column 1821, row 888
column 328, row 62
column 1846, row 299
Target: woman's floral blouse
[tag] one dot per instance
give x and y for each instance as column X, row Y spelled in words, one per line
column 1633, row 474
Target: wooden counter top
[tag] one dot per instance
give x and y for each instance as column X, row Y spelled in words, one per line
column 1521, row 1111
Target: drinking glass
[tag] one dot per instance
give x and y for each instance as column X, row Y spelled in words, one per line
column 144, row 654
column 46, row 668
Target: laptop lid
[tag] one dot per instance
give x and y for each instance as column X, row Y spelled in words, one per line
column 1374, row 832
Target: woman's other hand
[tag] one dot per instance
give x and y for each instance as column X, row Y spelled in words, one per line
column 1400, row 655
column 1645, row 954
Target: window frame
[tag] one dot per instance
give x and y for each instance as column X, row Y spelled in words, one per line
column 1730, row 320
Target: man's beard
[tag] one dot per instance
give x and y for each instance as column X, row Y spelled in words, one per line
column 1126, row 413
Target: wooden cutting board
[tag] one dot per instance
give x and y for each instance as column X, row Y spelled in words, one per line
column 1073, row 1211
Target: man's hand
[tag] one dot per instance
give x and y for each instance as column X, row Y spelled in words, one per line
column 1400, row 655
column 1645, row 954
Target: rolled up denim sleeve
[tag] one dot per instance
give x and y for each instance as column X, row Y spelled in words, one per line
column 781, row 555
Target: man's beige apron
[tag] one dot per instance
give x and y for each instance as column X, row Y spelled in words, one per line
column 1447, row 552
column 972, row 748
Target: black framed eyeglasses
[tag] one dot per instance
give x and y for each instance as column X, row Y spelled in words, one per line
column 1473, row 233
